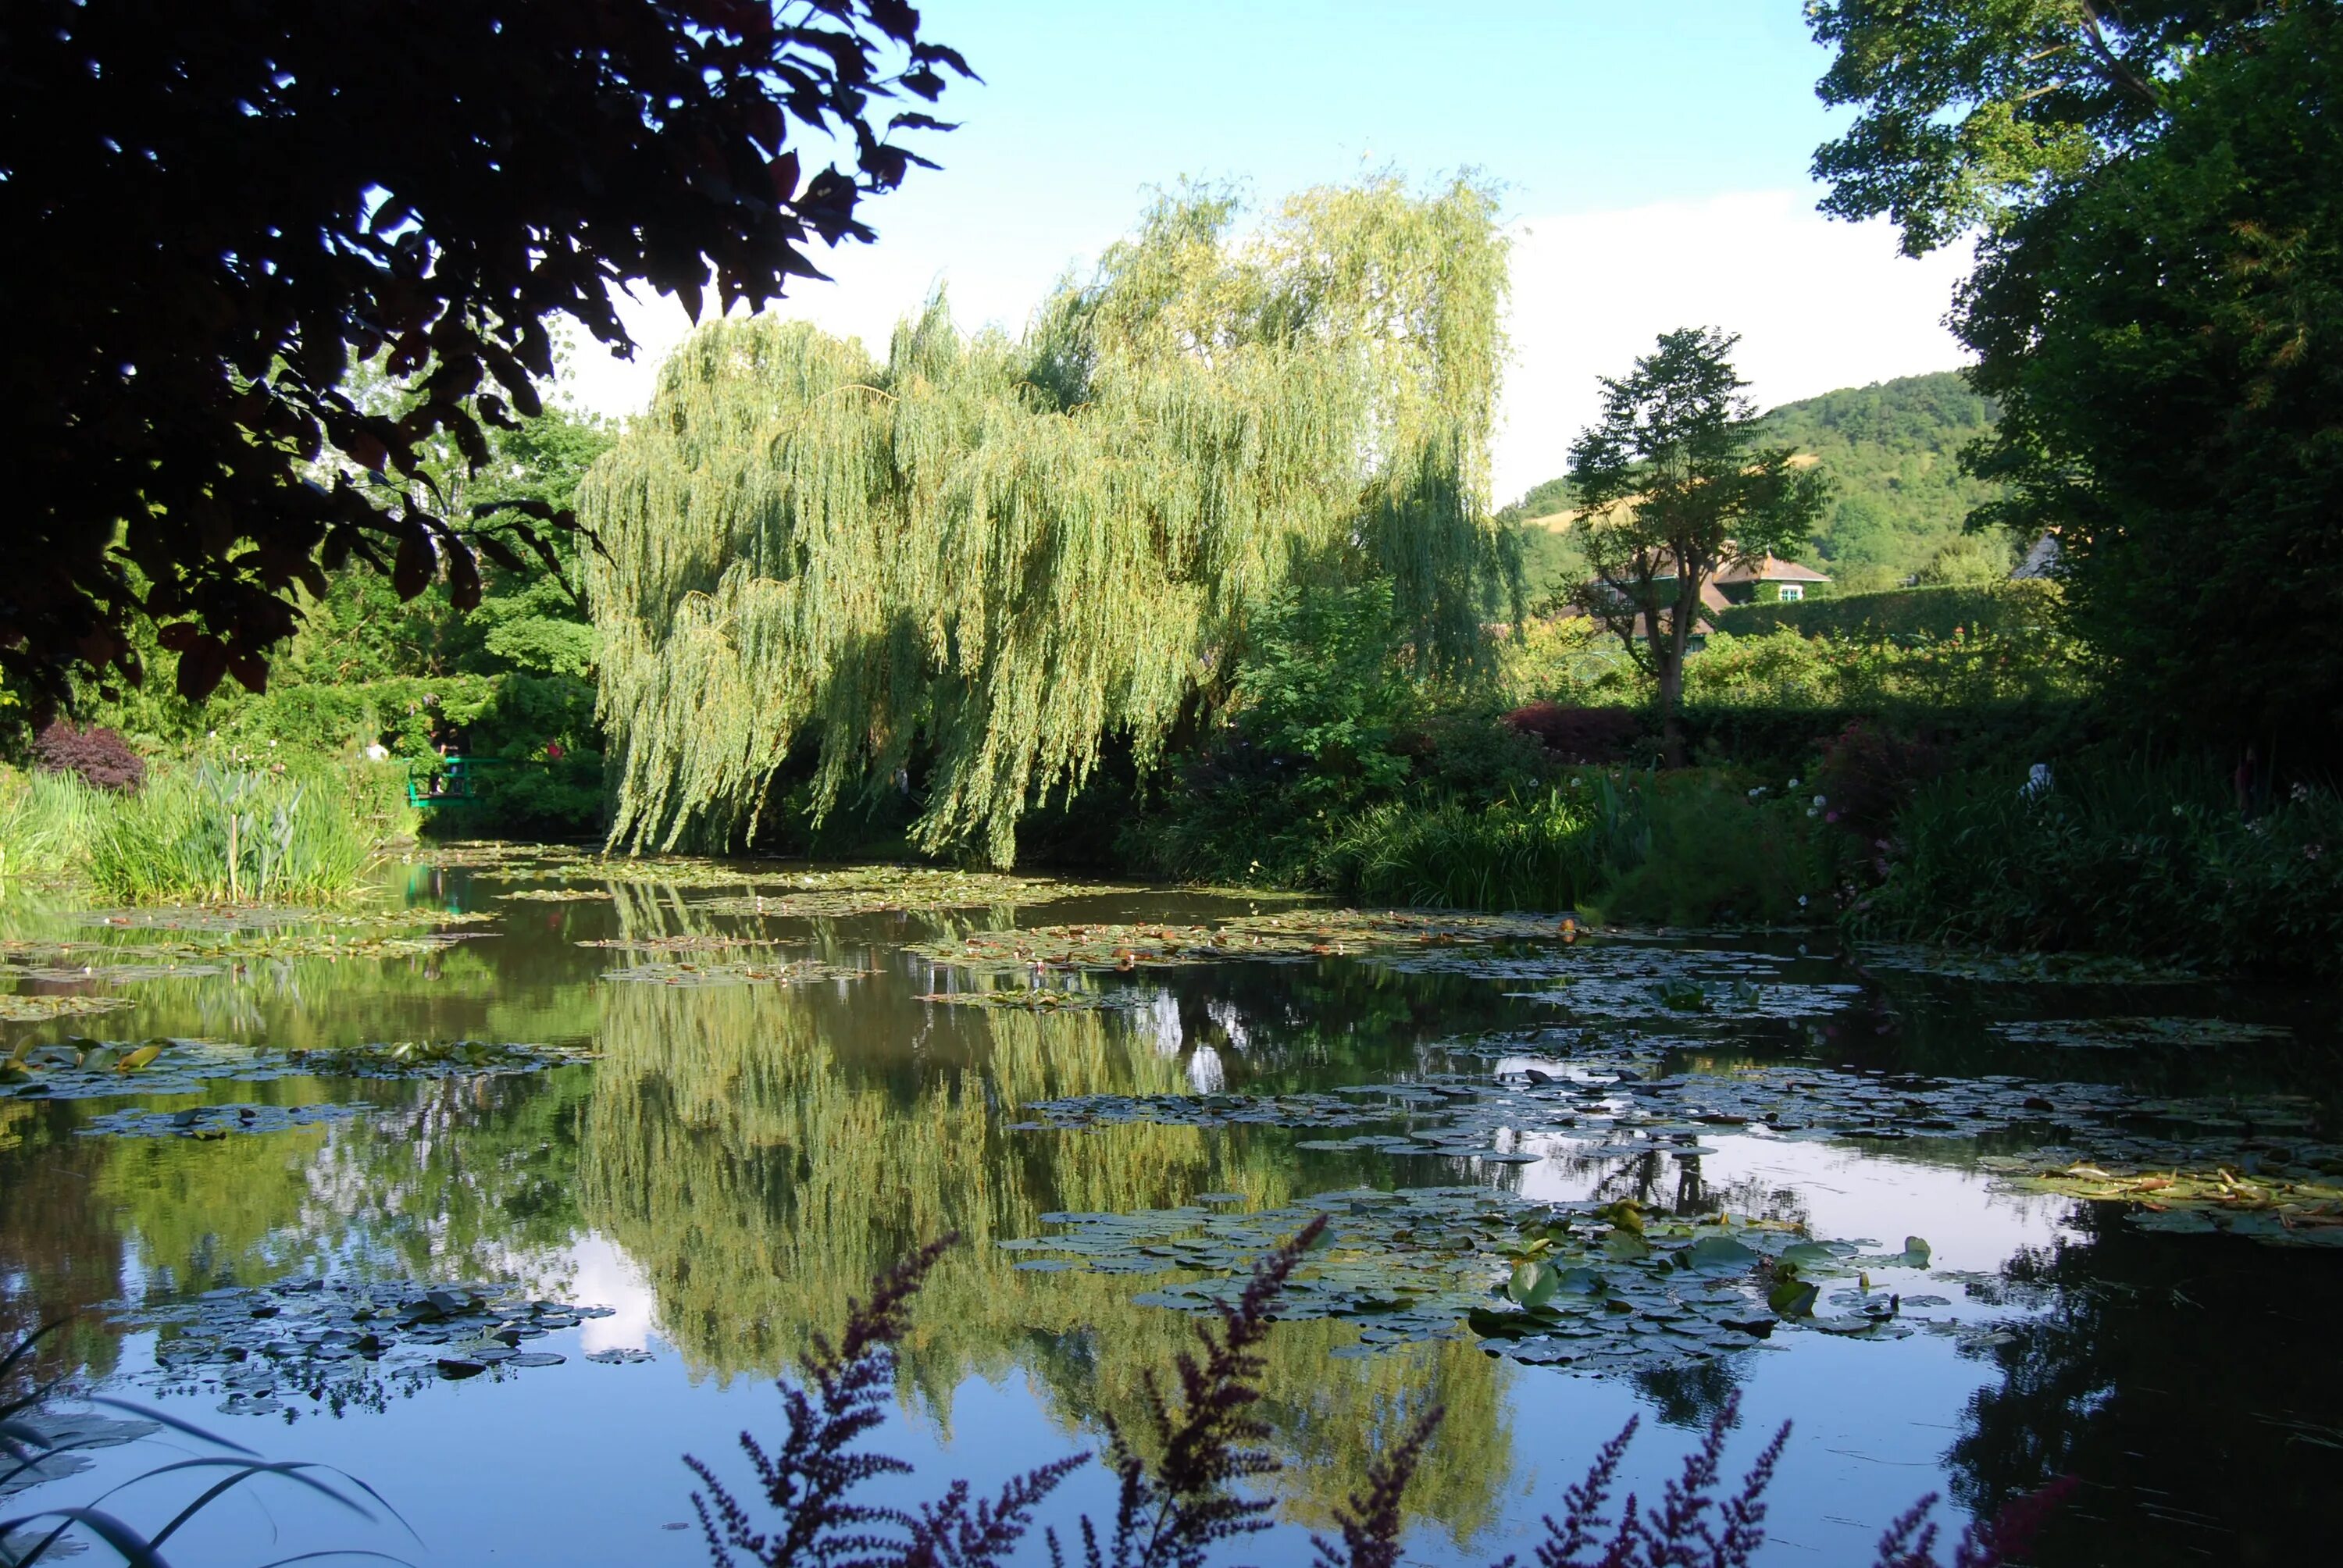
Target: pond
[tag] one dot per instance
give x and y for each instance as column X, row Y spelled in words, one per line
column 506, row 1197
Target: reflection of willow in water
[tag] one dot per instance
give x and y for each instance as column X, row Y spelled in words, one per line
column 762, row 1177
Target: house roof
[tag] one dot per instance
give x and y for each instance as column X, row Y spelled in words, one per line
column 1768, row 569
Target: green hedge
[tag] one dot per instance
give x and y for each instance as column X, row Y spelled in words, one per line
column 1934, row 612
column 2003, row 734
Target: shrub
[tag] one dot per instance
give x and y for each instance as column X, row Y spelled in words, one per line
column 100, row 759
column 1933, row 612
column 1868, row 776
column 1715, row 854
column 1545, row 856
column 1582, row 736
column 2149, row 859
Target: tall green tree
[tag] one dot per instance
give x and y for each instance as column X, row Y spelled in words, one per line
column 982, row 558
column 2166, row 343
column 2157, row 308
column 1672, row 485
column 1973, row 112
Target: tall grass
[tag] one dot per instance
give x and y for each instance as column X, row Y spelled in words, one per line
column 46, row 823
column 207, row 834
column 1710, row 854
column 1554, row 853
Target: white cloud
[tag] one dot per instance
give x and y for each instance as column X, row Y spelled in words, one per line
column 1819, row 304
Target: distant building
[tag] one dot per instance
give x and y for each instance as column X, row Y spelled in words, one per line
column 1766, row 580
column 2042, row 560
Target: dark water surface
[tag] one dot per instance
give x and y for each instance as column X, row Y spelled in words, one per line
column 737, row 1159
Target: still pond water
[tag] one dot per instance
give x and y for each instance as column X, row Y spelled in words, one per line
column 695, row 1109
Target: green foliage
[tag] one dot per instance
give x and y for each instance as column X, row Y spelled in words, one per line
column 1891, row 452
column 1969, row 110
column 1903, row 614
column 1713, row 853
column 47, row 821
column 1547, row 855
column 2150, row 860
column 2167, row 340
column 423, row 188
column 1321, row 688
column 206, row 833
column 994, row 555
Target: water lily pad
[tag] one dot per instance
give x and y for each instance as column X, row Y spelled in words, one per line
column 338, row 1341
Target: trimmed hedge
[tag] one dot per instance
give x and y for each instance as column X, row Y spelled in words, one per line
column 1934, row 612
column 2005, row 734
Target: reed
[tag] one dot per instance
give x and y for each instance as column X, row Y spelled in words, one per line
column 206, row 834
column 47, row 822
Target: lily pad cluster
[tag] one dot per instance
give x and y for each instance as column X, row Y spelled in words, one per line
column 342, row 1343
column 2139, row 1033
column 1288, row 935
column 2018, row 969
column 799, row 971
column 2281, row 1193
column 209, row 1121
column 682, row 942
column 82, row 1069
column 1440, row 1111
column 893, row 890
column 20, row 1007
column 1592, row 1288
column 558, row 895
column 1046, row 999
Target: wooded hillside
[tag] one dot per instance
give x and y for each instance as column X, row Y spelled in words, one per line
column 1892, row 452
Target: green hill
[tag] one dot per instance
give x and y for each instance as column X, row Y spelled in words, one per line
column 1892, row 452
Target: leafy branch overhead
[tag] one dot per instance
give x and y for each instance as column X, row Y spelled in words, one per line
column 442, row 177
column 1971, row 109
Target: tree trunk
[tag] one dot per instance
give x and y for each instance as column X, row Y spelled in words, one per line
column 1672, row 735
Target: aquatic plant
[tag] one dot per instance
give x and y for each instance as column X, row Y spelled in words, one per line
column 47, row 821
column 1545, row 855
column 2131, row 855
column 208, row 834
column 992, row 555
column 34, row 1440
column 1179, row 1500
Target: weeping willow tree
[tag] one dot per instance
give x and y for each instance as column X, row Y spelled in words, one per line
column 1005, row 551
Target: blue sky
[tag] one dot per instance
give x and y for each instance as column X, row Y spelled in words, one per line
column 1653, row 156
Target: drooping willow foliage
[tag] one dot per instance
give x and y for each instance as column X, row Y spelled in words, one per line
column 1003, row 551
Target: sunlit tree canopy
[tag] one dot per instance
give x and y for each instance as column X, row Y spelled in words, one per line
column 991, row 554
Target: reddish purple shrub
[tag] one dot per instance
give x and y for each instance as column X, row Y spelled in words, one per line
column 101, row 758
column 1868, row 776
column 1583, row 736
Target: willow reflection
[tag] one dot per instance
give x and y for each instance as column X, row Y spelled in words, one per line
column 761, row 1151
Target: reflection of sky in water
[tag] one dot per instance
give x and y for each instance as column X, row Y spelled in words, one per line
column 606, row 1277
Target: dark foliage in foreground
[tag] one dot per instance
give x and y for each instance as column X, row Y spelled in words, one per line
column 26, row 1445
column 1172, row 1508
column 99, row 758
column 442, row 177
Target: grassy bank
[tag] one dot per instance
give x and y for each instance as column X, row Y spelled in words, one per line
column 201, row 832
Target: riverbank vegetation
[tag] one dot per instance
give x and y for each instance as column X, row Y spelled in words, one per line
column 1199, row 576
